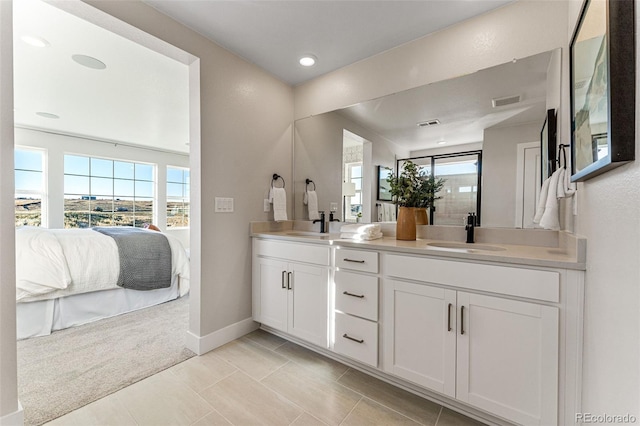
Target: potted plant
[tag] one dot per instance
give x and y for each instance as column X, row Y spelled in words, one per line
column 412, row 189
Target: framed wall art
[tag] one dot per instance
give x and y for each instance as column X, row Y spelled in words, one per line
column 602, row 72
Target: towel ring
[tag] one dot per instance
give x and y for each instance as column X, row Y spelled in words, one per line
column 308, row 181
column 275, row 178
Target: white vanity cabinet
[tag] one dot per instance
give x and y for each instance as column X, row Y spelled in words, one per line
column 495, row 353
column 291, row 288
column 356, row 305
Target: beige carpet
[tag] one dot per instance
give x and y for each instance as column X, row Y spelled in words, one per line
column 73, row 367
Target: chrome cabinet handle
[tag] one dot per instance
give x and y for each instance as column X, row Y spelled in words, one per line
column 289, row 280
column 449, row 317
column 462, row 320
column 352, row 260
column 359, row 296
column 283, row 274
column 346, row 336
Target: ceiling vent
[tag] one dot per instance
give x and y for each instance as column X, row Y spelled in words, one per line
column 499, row 102
column 428, row 123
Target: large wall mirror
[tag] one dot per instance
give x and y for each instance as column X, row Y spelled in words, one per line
column 498, row 110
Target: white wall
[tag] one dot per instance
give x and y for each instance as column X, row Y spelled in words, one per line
column 609, row 216
column 57, row 146
column 499, row 171
column 8, row 361
column 246, row 136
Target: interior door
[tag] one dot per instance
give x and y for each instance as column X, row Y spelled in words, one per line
column 527, row 183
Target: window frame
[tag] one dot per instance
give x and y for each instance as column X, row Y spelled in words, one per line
column 44, row 193
column 114, row 197
column 185, row 199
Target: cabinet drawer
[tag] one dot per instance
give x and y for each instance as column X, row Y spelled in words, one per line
column 357, row 260
column 308, row 253
column 357, row 339
column 521, row 282
column 357, row 294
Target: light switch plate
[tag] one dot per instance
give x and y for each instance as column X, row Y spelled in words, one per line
column 223, row 205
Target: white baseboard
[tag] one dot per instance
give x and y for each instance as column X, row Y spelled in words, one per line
column 204, row 344
column 13, row 419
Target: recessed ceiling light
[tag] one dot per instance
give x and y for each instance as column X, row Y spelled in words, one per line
column 47, row 115
column 308, row 61
column 89, row 62
column 442, row 142
column 35, row 41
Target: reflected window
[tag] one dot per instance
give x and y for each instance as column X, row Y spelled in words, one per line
column 460, row 194
column 30, row 195
column 103, row 192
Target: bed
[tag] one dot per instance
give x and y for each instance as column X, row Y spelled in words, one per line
column 68, row 277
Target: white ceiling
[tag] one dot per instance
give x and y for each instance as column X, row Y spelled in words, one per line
column 141, row 98
column 275, row 34
column 463, row 105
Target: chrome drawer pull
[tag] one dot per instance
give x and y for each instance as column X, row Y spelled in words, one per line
column 346, row 336
column 354, row 261
column 284, row 273
column 359, row 296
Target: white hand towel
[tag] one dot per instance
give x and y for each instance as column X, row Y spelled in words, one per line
column 542, row 201
column 560, row 187
column 364, row 229
column 278, row 197
column 569, row 187
column 312, row 204
column 551, row 217
column 360, row 237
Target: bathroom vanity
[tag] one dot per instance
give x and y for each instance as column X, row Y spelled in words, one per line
column 493, row 330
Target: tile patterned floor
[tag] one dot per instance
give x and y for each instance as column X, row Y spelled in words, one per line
column 261, row 379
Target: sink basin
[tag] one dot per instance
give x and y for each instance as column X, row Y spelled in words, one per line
column 466, row 247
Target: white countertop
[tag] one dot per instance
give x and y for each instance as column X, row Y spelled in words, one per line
column 515, row 254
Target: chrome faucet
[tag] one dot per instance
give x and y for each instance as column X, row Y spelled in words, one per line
column 471, row 224
column 321, row 220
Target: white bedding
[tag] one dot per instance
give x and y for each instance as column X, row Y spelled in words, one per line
column 51, row 263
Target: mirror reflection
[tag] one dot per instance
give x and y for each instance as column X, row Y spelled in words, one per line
column 498, row 111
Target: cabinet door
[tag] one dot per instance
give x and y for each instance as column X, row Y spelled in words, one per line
column 272, row 283
column 508, row 358
column 422, row 334
column 309, row 303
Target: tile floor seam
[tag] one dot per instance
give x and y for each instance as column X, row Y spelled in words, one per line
column 273, row 372
column 246, row 336
column 217, row 381
column 123, row 406
column 296, row 419
column 400, row 413
column 351, row 411
column 342, row 375
column 439, row 414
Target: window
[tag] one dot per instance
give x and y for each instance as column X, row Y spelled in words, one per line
column 101, row 192
column 353, row 173
column 177, row 197
column 461, row 192
column 29, row 187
